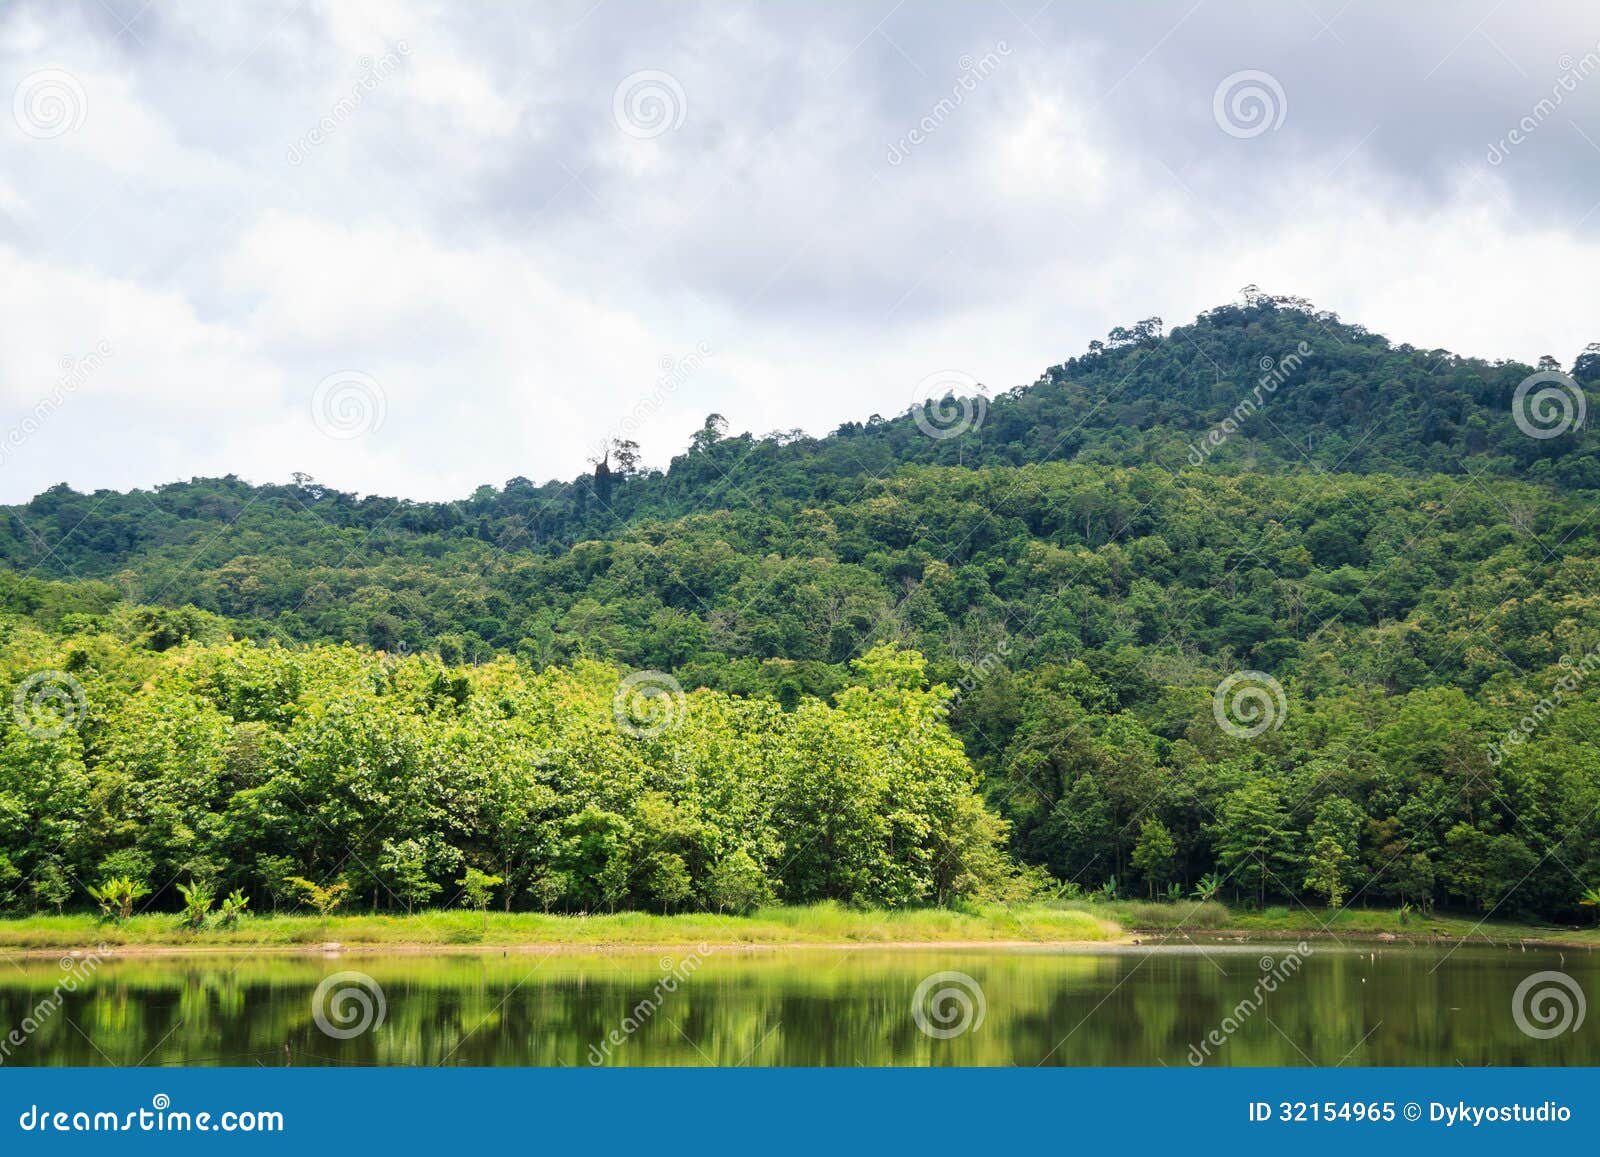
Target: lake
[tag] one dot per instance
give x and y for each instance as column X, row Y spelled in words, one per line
column 1234, row 1005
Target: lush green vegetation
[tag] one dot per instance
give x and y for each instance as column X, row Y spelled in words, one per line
column 1361, row 923
column 1379, row 539
column 1207, row 921
column 274, row 772
column 814, row 924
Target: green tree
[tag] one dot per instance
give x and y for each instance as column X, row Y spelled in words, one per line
column 323, row 898
column 1325, row 870
column 1153, row 854
column 1253, row 838
column 479, row 887
column 51, row 885
column 737, row 884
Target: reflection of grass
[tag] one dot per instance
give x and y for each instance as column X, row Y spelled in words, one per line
column 815, row 924
column 796, row 967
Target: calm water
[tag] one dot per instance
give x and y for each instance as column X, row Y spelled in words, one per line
column 1135, row 1006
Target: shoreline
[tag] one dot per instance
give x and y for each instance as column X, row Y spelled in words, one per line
column 1114, row 926
column 1208, row 936
column 538, row 948
column 1148, row 938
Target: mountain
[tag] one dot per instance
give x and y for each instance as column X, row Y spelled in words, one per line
column 1336, row 642
column 1308, row 393
column 1123, row 499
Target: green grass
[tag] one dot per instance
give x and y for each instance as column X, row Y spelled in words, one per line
column 1074, row 921
column 814, row 924
column 1374, row 921
column 1212, row 918
column 1147, row 914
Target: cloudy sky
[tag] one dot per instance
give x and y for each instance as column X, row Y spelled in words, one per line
column 411, row 247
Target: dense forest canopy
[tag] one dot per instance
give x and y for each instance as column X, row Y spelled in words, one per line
column 1366, row 534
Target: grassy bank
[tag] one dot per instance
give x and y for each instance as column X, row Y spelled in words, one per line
column 820, row 924
column 1211, row 920
column 816, row 924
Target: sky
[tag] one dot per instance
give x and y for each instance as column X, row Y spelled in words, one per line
column 413, row 248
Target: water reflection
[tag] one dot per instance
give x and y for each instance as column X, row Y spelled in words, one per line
column 803, row 1007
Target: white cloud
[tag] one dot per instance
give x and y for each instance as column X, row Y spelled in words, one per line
column 482, row 239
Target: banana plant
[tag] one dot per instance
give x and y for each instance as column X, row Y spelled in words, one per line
column 1591, row 899
column 198, row 896
column 233, row 907
column 117, row 895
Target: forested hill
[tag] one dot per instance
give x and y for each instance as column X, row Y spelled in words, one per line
column 1405, row 577
column 1278, row 386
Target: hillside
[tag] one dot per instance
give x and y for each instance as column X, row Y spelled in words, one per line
column 1351, row 402
column 1398, row 573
